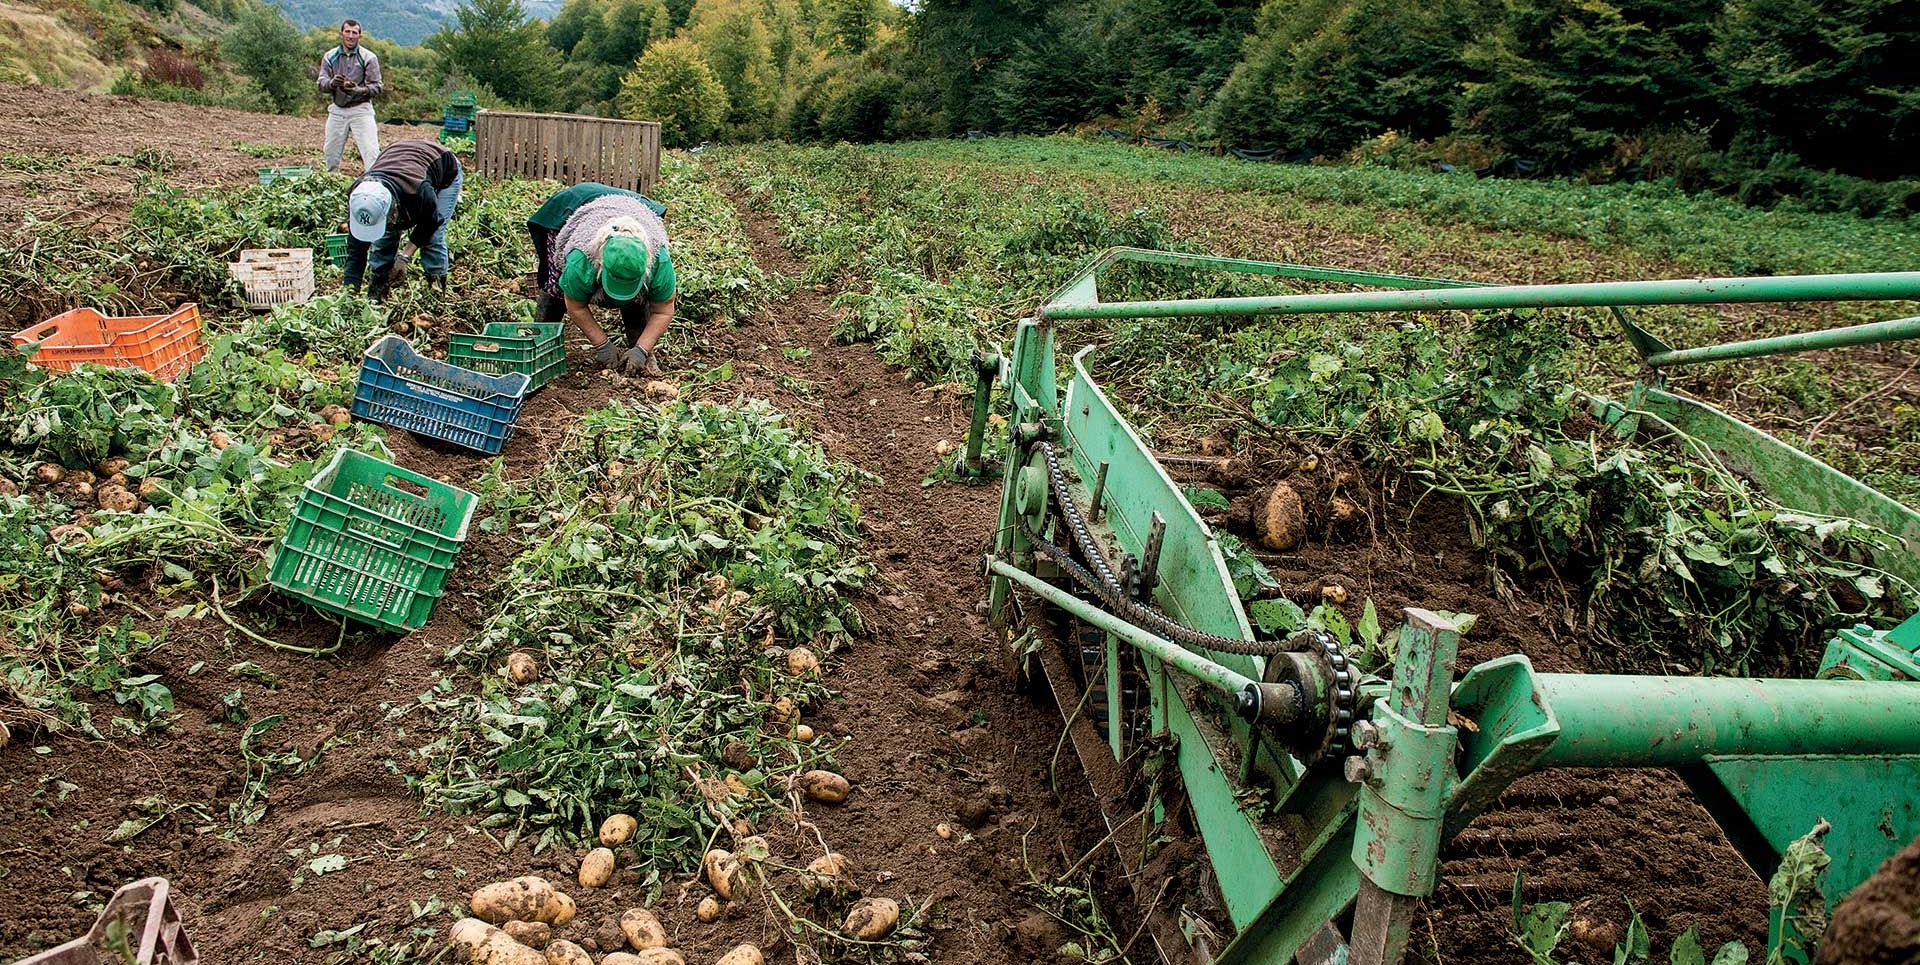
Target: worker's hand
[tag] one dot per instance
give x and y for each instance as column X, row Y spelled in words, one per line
column 398, row 273
column 338, row 82
column 638, row 362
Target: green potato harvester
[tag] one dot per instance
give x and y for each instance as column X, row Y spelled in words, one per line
column 1367, row 777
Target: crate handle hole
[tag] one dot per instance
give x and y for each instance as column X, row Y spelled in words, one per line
column 407, row 486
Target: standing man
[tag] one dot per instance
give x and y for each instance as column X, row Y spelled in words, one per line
column 350, row 74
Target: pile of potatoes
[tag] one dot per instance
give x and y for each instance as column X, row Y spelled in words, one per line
column 514, row 923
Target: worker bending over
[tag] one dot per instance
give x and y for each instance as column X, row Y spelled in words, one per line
column 412, row 189
column 595, row 244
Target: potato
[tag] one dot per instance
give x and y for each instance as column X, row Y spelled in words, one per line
column 68, row 533
column 522, row 899
column 8, row 487
column 113, row 466
column 803, row 734
column 801, row 661
column 945, row 831
column 559, row 909
column 722, row 871
column 1334, row 593
column 643, row 929
column 50, row 474
column 116, row 500
column 596, row 869
column 487, row 945
column 616, row 830
column 6, row 737
column 660, row 391
column 322, row 433
column 621, row 958
column 872, row 918
column 1282, row 521
column 522, row 668
column 659, row 956
column 830, row 873
column 825, row 786
column 708, row 911
column 82, row 477
column 564, row 952
column 219, row 440
column 742, row 955
column 783, row 711
column 1344, row 509
column 533, row 934
column 149, row 487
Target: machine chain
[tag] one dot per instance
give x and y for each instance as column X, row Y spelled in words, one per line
column 1097, row 577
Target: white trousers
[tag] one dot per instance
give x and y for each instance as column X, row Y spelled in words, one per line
column 358, row 121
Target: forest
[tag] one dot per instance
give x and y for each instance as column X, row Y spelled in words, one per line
column 1813, row 101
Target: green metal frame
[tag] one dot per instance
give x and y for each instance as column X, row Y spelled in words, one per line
column 1368, row 838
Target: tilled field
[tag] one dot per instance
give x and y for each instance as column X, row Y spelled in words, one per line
column 344, row 862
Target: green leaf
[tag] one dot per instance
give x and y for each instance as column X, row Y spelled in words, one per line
column 1637, row 945
column 1277, row 616
column 1369, row 626
column 1686, row 949
column 327, row 864
column 1732, row 953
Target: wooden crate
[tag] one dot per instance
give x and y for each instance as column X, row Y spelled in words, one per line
column 569, row 148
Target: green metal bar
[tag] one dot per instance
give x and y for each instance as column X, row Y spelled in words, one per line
column 1680, row 291
column 1609, row 720
column 1271, row 269
column 1888, row 331
column 986, row 368
column 1157, row 647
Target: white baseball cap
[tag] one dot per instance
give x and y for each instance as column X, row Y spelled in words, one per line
column 367, row 209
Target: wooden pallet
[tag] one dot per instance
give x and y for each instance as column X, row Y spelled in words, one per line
column 569, row 148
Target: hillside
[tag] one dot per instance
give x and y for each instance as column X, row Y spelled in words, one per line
column 83, row 45
column 394, row 20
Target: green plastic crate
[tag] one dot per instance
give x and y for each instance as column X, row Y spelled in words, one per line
column 337, row 250
column 372, row 541
column 535, row 349
column 289, row 173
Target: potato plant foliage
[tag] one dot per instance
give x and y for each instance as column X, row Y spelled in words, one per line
column 1655, row 547
column 673, row 554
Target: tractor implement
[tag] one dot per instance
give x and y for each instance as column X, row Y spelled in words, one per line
column 1367, row 778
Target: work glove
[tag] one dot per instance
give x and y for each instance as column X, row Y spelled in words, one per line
column 398, row 273
column 337, row 83
column 638, row 362
column 606, row 354
column 437, row 281
column 377, row 289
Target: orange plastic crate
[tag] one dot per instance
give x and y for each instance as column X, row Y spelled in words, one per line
column 166, row 345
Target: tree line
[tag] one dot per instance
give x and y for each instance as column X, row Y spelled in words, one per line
column 1817, row 100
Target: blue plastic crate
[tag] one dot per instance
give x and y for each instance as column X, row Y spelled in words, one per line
column 401, row 388
column 455, row 124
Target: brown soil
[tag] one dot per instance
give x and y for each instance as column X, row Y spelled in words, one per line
column 937, row 731
column 934, row 732
column 79, row 149
column 1879, row 923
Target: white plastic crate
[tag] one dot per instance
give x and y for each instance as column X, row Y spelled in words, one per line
column 274, row 276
